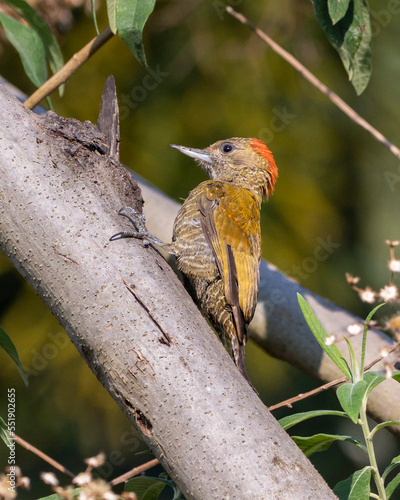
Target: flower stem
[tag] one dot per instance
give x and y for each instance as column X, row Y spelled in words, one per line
column 371, row 452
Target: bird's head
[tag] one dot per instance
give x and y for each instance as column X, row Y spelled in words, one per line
column 244, row 162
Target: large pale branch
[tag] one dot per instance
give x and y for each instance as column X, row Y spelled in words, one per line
column 287, row 336
column 130, row 317
column 279, row 326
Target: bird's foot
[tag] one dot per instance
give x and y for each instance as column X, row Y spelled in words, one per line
column 139, row 223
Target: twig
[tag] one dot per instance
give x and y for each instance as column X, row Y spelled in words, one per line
column 333, row 383
column 299, row 397
column 134, row 472
column 69, row 68
column 391, row 349
column 42, row 455
column 317, row 83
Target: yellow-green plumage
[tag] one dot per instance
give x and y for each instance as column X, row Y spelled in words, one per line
column 217, row 237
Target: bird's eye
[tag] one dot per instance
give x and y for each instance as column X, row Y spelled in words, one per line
column 227, row 147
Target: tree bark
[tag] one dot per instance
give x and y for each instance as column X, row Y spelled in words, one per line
column 130, row 317
column 287, row 336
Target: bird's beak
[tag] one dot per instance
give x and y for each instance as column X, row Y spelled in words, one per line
column 197, row 154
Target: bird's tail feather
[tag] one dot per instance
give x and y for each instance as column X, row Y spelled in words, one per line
column 239, row 359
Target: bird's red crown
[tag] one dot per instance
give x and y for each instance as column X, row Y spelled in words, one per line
column 261, row 148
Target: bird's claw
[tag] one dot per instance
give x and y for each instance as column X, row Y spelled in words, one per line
column 138, row 221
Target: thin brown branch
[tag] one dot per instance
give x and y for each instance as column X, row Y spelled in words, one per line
column 317, row 83
column 69, row 68
column 134, row 472
column 42, row 455
column 333, row 383
column 391, row 349
column 289, row 402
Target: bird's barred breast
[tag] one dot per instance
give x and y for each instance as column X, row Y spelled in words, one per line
column 193, row 252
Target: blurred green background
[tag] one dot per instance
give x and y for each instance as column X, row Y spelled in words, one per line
column 210, row 78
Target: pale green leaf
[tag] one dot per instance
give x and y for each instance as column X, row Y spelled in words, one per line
column 372, row 379
column 355, row 370
column 127, row 18
column 291, row 420
column 393, row 464
column 51, row 47
column 5, row 434
column 7, row 344
column 382, row 425
column 337, row 9
column 364, row 342
column 319, row 333
column 112, row 14
column 146, row 488
column 321, row 442
column 350, row 397
column 29, row 47
column 393, row 487
column 355, row 487
column 93, row 5
column 352, row 38
column 361, row 65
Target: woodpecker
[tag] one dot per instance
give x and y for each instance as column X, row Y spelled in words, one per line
column 217, row 236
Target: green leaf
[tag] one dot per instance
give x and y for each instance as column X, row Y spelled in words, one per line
column 355, row 370
column 364, row 342
column 393, row 464
column 350, row 397
column 29, row 46
column 319, row 333
column 93, row 5
column 7, row 344
column 396, row 376
column 112, row 15
column 382, row 425
column 146, row 488
column 145, row 452
column 337, row 9
column 352, row 38
column 355, row 487
column 372, row 379
column 291, row 420
column 51, row 47
column 127, row 18
column 361, row 65
column 343, row 35
column 321, row 442
column 393, row 486
column 5, row 434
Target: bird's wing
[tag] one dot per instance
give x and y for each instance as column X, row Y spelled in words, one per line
column 229, row 217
